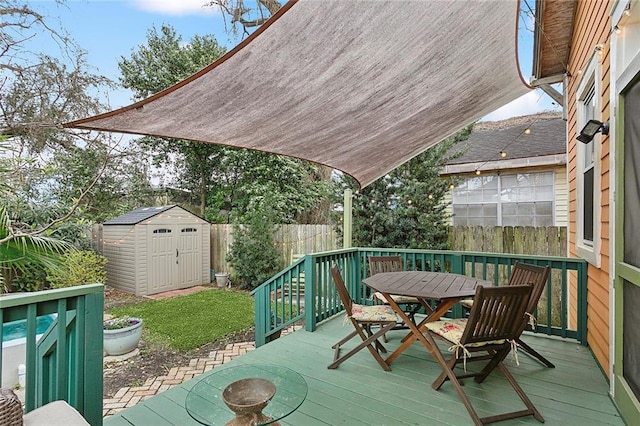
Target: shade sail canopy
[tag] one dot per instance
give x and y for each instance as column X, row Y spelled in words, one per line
column 358, row 85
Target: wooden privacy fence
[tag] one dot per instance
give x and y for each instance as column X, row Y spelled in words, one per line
column 548, row 241
column 301, row 239
column 290, row 240
column 519, row 240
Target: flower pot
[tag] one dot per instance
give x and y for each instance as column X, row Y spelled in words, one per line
column 122, row 340
column 222, row 279
column 274, row 336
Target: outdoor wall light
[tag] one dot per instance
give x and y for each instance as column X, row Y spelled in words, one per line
column 591, row 128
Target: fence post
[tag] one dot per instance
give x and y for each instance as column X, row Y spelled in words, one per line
column 457, row 264
column 347, row 222
column 93, row 352
column 261, row 315
column 582, row 303
column 311, row 290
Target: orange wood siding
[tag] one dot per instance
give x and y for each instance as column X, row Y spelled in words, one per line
column 591, row 27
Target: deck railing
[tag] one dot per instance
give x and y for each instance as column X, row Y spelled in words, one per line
column 305, row 290
column 65, row 362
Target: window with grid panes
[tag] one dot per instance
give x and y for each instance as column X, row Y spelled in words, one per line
column 522, row 199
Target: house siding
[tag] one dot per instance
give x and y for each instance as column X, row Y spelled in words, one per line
column 118, row 246
column 206, row 252
column 591, row 27
column 141, row 270
column 561, row 198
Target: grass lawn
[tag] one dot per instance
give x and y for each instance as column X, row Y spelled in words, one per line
column 187, row 322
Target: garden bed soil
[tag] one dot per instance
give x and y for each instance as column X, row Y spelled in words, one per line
column 154, row 360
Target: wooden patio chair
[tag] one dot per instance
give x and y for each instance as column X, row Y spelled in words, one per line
column 536, row 276
column 363, row 318
column 378, row 264
column 492, row 328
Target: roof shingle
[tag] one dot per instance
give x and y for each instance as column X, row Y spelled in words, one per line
column 138, row 215
column 547, row 137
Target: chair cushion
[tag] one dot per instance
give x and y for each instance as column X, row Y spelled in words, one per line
column 56, row 413
column 396, row 298
column 467, row 303
column 452, row 330
column 373, row 313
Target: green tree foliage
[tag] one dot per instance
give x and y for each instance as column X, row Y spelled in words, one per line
column 162, row 62
column 281, row 187
column 21, row 249
column 406, row 208
column 78, row 268
column 54, row 181
column 227, row 183
column 254, row 256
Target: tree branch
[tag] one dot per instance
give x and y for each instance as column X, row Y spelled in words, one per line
column 82, row 195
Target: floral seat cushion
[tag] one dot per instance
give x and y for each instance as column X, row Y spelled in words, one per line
column 396, row 298
column 452, row 330
column 373, row 313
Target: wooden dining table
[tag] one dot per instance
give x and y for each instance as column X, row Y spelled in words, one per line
column 442, row 288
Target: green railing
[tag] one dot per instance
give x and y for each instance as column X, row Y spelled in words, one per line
column 305, row 289
column 66, row 362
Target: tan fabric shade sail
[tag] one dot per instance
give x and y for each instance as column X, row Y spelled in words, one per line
column 358, row 85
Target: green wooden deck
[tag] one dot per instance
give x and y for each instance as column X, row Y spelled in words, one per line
column 359, row 392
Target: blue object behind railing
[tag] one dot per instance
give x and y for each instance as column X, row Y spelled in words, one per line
column 18, row 329
column 66, row 363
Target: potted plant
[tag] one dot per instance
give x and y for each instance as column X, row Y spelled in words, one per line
column 222, row 278
column 121, row 335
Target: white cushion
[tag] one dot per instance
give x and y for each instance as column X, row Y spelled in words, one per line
column 396, row 298
column 56, row 413
column 467, row 303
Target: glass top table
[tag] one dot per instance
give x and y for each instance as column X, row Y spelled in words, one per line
column 205, row 404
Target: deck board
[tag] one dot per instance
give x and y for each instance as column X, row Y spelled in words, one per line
column 359, row 392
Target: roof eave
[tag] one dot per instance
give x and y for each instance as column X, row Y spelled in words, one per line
column 516, row 163
column 552, row 40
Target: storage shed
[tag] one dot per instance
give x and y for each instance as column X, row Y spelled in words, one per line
column 155, row 249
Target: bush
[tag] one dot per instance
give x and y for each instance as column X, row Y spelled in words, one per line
column 253, row 255
column 78, row 268
column 32, row 277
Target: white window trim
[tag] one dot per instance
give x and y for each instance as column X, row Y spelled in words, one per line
column 591, row 77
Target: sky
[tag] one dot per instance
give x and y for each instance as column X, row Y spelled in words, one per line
column 111, row 29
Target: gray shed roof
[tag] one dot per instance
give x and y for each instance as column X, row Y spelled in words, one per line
column 138, row 215
column 547, row 137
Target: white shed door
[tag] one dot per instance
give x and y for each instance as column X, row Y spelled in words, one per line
column 190, row 255
column 175, row 257
column 162, row 259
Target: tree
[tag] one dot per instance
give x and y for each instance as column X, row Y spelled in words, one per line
column 51, row 177
column 228, row 182
column 405, row 208
column 247, row 15
column 19, row 247
column 254, row 256
column 159, row 64
column 244, row 17
column 282, row 187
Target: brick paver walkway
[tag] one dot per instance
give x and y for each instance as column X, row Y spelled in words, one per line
column 129, row 396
